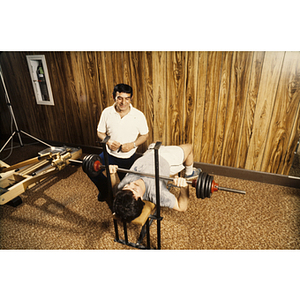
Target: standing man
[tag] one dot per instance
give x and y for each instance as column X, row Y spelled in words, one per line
column 127, row 128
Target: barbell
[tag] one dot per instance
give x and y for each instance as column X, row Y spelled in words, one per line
column 204, row 184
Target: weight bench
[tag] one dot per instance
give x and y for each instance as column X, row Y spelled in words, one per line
column 144, row 220
column 149, row 213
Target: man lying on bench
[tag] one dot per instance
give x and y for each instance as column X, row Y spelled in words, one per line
column 128, row 204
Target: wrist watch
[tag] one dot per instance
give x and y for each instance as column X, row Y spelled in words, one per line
column 134, row 145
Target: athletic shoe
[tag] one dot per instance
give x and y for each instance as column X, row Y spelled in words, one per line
column 194, row 175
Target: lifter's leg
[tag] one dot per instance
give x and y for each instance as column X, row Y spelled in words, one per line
column 189, row 161
column 188, row 154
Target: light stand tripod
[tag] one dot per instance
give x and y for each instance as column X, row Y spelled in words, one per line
column 17, row 131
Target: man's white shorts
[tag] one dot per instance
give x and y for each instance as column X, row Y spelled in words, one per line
column 174, row 155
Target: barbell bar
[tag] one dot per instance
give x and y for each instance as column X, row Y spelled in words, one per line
column 204, row 184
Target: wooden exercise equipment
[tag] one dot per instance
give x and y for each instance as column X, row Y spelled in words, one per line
column 16, row 179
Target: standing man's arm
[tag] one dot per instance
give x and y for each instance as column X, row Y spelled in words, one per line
column 139, row 141
column 101, row 135
column 113, row 145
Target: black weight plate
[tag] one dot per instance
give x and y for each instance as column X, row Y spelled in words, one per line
column 198, row 185
column 207, row 190
column 210, row 180
column 85, row 166
column 85, row 163
column 90, row 167
column 202, row 192
column 88, row 163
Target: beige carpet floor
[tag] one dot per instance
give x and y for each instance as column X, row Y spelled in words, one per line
column 63, row 213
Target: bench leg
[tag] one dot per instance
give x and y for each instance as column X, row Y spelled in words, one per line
column 116, row 230
column 125, row 232
column 148, row 233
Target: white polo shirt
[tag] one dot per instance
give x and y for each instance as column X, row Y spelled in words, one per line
column 123, row 130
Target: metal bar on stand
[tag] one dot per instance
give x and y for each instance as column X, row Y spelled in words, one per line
column 156, row 148
column 106, row 161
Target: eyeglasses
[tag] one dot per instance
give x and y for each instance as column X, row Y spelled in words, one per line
column 119, row 98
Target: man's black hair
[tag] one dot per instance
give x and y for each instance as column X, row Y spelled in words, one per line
column 126, row 207
column 122, row 88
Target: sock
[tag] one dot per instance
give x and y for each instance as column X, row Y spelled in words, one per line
column 188, row 170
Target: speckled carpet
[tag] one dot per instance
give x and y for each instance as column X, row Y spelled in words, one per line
column 63, row 213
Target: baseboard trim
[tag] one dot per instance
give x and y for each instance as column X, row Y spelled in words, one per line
column 282, row 180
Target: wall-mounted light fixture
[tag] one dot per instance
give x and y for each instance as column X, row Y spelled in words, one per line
column 40, row 79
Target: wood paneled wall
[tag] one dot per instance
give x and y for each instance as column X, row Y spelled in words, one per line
column 239, row 109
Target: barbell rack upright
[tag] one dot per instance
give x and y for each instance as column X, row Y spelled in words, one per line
column 110, row 191
column 158, row 218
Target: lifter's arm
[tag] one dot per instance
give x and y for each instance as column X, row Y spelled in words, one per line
column 183, row 198
column 114, row 177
